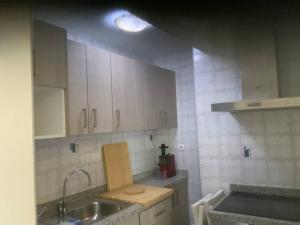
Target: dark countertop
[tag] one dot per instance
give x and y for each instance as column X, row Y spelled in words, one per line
column 269, row 206
column 256, row 205
column 181, row 175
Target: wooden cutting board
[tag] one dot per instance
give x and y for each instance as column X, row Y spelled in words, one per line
column 117, row 167
column 149, row 197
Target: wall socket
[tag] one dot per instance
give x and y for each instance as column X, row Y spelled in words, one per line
column 74, row 148
column 247, row 152
column 181, row 147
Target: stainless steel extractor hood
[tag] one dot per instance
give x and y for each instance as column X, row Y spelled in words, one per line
column 256, row 105
column 258, row 69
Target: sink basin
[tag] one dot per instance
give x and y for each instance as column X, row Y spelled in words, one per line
column 89, row 212
column 95, row 211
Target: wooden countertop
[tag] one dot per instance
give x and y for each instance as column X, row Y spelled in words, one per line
column 149, row 197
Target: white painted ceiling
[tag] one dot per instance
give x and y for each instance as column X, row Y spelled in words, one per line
column 96, row 24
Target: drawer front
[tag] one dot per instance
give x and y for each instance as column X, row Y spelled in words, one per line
column 159, row 214
column 130, row 221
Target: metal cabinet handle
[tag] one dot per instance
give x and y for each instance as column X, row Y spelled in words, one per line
column 159, row 213
column 253, row 104
column 161, row 119
column 34, row 64
column 84, row 114
column 166, row 119
column 177, row 197
column 118, row 117
column 94, row 116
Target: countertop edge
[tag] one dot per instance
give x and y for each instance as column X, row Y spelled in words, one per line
column 122, row 215
column 234, row 217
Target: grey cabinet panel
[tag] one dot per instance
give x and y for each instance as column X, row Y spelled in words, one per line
column 180, row 213
column 89, row 91
column 50, row 55
column 99, row 90
column 159, row 214
column 159, row 98
column 77, row 89
column 127, row 89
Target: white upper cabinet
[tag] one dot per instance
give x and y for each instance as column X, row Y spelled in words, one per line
column 169, row 106
column 89, row 91
column 77, row 89
column 127, row 89
column 159, row 98
column 153, row 91
column 49, row 55
column 99, row 90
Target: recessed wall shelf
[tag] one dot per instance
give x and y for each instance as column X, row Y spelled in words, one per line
column 49, row 112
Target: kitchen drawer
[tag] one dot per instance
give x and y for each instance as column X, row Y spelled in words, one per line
column 129, row 221
column 159, row 214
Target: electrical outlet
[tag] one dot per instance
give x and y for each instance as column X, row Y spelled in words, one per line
column 74, row 148
column 181, row 147
column 247, row 152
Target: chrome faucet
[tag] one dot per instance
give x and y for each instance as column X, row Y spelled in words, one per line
column 62, row 204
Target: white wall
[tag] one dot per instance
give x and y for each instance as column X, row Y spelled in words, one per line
column 17, row 205
column 273, row 136
column 186, row 134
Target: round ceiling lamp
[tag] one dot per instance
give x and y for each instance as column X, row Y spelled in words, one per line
column 130, row 23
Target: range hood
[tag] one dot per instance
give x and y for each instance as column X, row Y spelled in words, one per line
column 257, row 105
column 258, row 64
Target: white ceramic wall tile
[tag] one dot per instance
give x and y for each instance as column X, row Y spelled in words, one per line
column 277, row 122
column 272, row 136
column 186, row 134
column 54, row 161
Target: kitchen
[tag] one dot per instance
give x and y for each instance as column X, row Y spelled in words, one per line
column 215, row 143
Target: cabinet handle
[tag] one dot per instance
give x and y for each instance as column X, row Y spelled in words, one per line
column 166, row 119
column 253, row 104
column 159, row 213
column 94, row 116
column 161, row 119
column 84, row 113
column 177, row 197
column 118, row 117
column 34, row 64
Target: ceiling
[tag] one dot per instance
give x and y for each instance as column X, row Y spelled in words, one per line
column 96, row 24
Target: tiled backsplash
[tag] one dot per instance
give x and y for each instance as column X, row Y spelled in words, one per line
column 186, row 134
column 54, row 160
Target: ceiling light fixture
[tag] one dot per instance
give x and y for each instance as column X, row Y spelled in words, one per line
column 130, row 23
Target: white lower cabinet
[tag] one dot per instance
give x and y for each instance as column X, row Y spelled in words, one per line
column 159, row 214
column 134, row 220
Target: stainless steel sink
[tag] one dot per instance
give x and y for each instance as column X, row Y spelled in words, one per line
column 88, row 213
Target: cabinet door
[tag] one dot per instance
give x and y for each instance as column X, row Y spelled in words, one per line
column 153, row 91
column 99, row 90
column 133, row 220
column 77, row 89
column 159, row 98
column 50, row 55
column 127, row 84
column 169, row 106
column 159, row 214
column 180, row 213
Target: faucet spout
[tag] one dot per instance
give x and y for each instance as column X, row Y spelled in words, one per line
column 62, row 207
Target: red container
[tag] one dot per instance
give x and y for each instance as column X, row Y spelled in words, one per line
column 171, row 167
